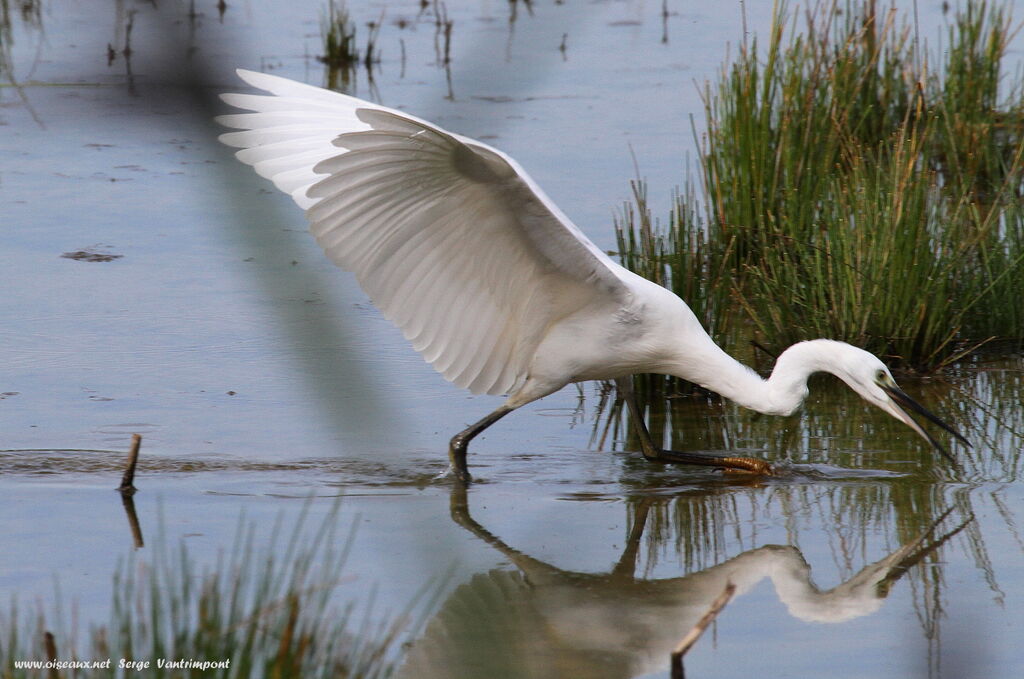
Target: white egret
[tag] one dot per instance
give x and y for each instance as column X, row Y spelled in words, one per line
column 497, row 289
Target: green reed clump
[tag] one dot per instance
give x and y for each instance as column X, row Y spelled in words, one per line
column 900, row 269
column 341, row 54
column 978, row 146
column 780, row 124
column 681, row 257
column 339, row 37
column 267, row 611
column 853, row 193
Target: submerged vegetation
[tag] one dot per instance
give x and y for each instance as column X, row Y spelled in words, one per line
column 259, row 613
column 339, row 38
column 341, row 53
column 855, row 188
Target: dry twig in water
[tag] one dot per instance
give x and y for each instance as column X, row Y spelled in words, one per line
column 127, row 485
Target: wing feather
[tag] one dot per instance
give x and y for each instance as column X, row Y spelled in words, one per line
column 450, row 238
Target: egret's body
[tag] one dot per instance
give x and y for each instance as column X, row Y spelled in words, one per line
column 491, row 283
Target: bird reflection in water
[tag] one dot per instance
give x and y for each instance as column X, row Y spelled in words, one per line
column 541, row 621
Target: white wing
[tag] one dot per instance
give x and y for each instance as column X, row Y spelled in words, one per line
column 449, row 237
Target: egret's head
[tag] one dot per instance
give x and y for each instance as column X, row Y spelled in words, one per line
column 870, row 378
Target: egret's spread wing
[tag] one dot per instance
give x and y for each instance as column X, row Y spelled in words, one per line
column 448, row 236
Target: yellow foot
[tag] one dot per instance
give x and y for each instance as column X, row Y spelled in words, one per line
column 746, row 465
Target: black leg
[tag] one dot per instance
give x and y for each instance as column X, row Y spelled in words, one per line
column 626, row 566
column 656, row 454
column 460, row 442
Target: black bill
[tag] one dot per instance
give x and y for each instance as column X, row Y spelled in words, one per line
column 904, row 401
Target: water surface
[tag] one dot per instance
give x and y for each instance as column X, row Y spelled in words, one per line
column 259, row 375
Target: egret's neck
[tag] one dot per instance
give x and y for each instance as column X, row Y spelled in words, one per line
column 783, row 391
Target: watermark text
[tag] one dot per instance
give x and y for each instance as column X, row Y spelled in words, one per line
column 124, row 664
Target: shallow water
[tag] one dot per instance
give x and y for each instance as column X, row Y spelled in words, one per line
column 259, row 375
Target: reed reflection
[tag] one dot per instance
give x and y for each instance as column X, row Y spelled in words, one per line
column 542, row 621
column 983, row 397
